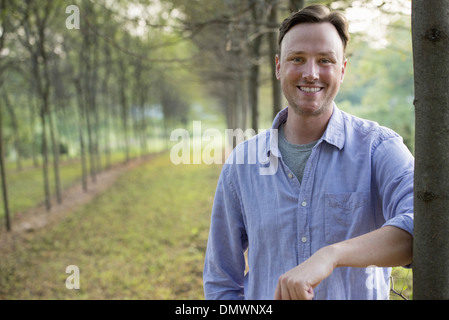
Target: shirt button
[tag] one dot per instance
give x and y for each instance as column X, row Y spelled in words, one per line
column 290, row 176
column 304, row 203
column 304, row 239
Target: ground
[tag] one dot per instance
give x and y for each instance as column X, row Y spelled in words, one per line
column 74, row 197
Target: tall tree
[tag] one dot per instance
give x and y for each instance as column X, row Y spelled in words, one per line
column 4, row 28
column 3, row 176
column 273, row 25
column 35, row 18
column 430, row 34
column 88, row 72
column 257, row 20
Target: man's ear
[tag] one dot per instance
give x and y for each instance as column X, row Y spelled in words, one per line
column 278, row 67
column 343, row 70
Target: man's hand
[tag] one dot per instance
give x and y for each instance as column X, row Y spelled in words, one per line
column 299, row 282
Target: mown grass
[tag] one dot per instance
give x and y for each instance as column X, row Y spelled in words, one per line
column 143, row 239
column 26, row 186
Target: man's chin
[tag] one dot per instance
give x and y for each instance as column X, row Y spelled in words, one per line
column 309, row 109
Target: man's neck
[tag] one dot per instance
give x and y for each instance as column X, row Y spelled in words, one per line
column 304, row 129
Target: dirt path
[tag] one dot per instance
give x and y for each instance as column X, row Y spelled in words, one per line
column 25, row 223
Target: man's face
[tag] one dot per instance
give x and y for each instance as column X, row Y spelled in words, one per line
column 311, row 67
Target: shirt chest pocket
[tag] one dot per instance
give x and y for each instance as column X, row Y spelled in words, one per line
column 345, row 215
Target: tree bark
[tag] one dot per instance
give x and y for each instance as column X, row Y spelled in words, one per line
column 124, row 107
column 45, row 160
column 81, row 125
column 3, row 174
column 3, row 25
column 254, row 70
column 273, row 25
column 44, row 93
column 55, row 151
column 15, row 129
column 430, row 34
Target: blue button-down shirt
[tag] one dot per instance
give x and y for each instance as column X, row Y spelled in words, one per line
column 359, row 177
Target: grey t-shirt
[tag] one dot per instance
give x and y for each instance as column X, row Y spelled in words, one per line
column 295, row 156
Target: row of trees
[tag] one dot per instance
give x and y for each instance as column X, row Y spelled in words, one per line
column 236, row 39
column 237, row 44
column 77, row 78
column 86, row 77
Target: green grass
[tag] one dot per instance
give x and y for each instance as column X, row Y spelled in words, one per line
column 26, row 187
column 144, row 238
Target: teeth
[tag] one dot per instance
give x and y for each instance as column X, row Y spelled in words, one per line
column 309, row 89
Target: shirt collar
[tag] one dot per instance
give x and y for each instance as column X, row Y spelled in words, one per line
column 334, row 134
column 335, row 131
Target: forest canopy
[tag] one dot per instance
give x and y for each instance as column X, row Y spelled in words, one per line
column 128, row 71
column 87, row 79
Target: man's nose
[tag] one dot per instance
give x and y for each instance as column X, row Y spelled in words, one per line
column 310, row 72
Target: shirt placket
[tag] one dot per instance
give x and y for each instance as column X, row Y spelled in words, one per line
column 304, row 205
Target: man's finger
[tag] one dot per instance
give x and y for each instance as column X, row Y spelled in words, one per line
column 277, row 293
column 285, row 292
column 309, row 294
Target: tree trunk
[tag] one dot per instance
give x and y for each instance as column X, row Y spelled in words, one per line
column 32, row 125
column 55, row 151
column 45, row 94
column 45, row 160
column 2, row 148
column 273, row 25
column 124, row 108
column 88, row 107
column 430, row 34
column 81, row 125
column 94, row 105
column 35, row 42
column 3, row 174
column 43, row 88
column 15, row 129
column 254, row 70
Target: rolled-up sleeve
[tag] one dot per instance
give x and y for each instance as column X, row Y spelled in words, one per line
column 224, row 266
column 394, row 172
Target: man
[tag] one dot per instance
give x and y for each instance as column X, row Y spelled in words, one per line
column 335, row 213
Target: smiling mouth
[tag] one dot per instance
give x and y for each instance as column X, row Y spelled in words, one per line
column 310, row 89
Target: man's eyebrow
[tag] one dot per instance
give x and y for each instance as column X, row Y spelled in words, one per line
column 328, row 53
column 323, row 53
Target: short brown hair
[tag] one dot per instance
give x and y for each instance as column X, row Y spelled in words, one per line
column 316, row 14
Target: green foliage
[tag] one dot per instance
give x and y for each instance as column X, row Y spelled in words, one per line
column 378, row 82
column 401, row 284
column 143, row 239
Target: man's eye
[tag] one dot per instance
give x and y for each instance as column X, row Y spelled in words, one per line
column 325, row 61
column 297, row 59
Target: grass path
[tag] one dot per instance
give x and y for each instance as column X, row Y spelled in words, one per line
column 142, row 239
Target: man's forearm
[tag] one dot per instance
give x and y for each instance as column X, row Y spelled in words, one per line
column 386, row 247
